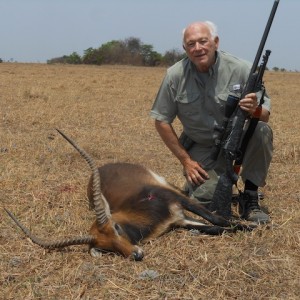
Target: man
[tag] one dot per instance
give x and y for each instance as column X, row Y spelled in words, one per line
column 195, row 90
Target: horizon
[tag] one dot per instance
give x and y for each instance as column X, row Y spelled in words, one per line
column 37, row 31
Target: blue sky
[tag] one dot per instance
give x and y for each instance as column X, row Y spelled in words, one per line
column 37, row 30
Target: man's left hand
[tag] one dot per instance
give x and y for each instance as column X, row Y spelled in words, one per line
column 249, row 103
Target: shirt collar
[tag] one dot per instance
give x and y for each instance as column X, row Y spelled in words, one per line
column 213, row 69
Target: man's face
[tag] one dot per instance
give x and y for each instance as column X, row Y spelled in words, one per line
column 200, row 47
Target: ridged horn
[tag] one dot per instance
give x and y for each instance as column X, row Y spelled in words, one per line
column 102, row 209
column 51, row 245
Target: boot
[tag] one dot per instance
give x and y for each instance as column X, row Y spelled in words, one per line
column 249, row 208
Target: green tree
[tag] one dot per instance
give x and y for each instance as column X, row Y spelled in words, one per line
column 150, row 57
column 130, row 51
column 114, row 52
column 74, row 58
column 92, row 56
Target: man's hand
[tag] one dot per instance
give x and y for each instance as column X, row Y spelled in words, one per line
column 194, row 172
column 249, row 103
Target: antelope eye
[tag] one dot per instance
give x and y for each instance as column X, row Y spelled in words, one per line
column 118, row 228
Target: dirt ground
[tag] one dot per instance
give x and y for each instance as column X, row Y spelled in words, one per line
column 106, row 110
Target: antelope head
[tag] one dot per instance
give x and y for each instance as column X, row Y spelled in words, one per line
column 105, row 233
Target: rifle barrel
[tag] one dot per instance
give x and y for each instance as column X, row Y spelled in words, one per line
column 264, row 37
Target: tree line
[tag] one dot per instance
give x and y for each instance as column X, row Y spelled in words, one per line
column 130, row 51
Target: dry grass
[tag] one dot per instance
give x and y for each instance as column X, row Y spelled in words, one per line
column 43, row 181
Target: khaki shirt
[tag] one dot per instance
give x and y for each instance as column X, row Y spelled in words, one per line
column 198, row 99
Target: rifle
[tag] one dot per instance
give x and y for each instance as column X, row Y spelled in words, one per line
column 229, row 134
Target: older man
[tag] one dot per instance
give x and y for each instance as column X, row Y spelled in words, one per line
column 195, row 90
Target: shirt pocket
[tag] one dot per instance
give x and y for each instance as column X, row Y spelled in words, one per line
column 220, row 100
column 189, row 103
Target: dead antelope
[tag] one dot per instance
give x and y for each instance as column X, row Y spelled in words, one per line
column 133, row 204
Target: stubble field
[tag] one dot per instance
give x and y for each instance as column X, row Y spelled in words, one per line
column 106, row 110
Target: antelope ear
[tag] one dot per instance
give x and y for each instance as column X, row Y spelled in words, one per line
column 118, row 228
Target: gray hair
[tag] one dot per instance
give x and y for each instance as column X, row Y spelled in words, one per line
column 210, row 25
column 212, row 28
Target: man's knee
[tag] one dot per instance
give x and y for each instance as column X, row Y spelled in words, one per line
column 263, row 134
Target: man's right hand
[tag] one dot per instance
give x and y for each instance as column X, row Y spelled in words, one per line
column 194, row 173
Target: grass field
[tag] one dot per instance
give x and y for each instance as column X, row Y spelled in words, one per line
column 106, row 110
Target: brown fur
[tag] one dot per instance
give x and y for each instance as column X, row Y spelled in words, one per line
column 139, row 199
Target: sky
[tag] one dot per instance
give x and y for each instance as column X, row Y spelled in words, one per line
column 38, row 30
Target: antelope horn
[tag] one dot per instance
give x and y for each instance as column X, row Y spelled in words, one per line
column 51, row 245
column 102, row 209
